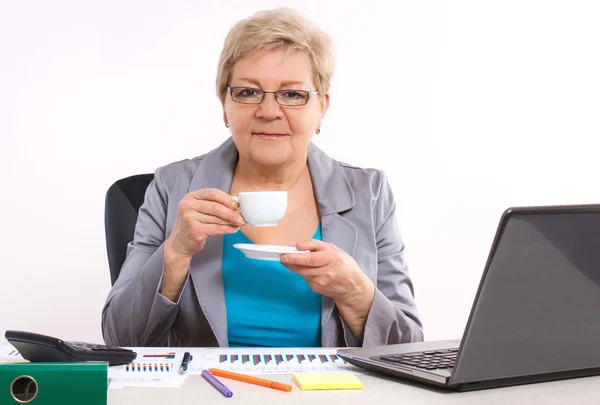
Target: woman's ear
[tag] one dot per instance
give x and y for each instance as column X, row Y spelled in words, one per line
column 324, row 100
column 225, row 119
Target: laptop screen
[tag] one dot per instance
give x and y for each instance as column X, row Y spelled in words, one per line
column 538, row 307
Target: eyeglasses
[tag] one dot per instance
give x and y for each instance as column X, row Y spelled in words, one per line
column 285, row 98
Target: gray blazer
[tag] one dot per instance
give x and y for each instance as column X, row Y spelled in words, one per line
column 357, row 211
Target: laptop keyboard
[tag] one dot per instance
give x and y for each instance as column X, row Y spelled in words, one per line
column 428, row 360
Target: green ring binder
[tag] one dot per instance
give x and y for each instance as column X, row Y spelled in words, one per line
column 54, row 383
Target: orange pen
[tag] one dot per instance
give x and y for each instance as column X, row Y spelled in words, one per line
column 250, row 379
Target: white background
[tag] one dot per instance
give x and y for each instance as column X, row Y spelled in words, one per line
column 469, row 106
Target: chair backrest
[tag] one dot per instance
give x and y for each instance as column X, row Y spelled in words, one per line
column 123, row 201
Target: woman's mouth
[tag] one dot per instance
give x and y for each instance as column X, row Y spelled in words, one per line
column 264, row 135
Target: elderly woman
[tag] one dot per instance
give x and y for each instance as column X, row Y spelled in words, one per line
column 183, row 284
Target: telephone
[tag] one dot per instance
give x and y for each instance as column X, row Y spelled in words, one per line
column 41, row 348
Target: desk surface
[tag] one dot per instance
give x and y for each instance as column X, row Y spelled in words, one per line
column 377, row 389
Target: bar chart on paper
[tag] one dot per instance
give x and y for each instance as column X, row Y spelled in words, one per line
column 152, row 363
column 277, row 361
column 153, row 367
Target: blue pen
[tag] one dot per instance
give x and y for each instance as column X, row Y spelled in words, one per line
column 187, row 357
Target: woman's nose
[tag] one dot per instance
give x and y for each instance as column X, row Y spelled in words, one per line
column 269, row 108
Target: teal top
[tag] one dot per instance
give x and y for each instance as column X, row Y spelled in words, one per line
column 267, row 303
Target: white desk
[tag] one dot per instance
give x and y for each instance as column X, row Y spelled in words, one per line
column 377, row 390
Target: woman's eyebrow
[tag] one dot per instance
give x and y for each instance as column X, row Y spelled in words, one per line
column 251, row 81
column 291, row 82
column 284, row 83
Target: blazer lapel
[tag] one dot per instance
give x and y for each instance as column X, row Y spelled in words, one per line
column 214, row 171
column 334, row 195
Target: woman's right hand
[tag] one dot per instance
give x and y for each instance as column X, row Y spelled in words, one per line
column 201, row 213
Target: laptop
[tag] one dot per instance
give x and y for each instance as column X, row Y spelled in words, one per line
column 535, row 316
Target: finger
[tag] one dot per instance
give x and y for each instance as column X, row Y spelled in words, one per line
column 315, row 245
column 214, row 229
column 314, row 259
column 211, row 219
column 217, row 210
column 306, row 272
column 216, row 195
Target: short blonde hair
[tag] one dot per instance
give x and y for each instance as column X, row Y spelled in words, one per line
column 271, row 29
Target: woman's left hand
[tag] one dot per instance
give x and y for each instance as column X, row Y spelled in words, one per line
column 330, row 271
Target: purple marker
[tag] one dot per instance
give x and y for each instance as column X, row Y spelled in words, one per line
column 217, row 384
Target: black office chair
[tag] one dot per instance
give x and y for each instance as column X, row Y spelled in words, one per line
column 123, row 201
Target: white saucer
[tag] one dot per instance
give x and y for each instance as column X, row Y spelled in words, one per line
column 265, row 252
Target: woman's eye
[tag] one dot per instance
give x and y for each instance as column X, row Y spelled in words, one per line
column 291, row 95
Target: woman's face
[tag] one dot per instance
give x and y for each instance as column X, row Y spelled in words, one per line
column 267, row 133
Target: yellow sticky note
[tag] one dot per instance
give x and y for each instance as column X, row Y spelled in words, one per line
column 327, row 381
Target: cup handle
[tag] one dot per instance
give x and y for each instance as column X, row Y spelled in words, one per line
column 237, row 199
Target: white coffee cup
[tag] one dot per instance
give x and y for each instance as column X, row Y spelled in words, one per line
column 262, row 208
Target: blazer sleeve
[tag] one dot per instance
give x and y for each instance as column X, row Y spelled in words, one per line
column 135, row 312
column 393, row 316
